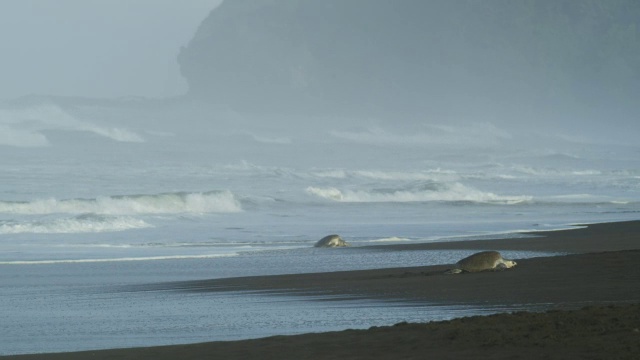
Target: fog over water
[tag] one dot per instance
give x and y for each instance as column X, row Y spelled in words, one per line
column 148, row 141
column 537, row 66
column 95, row 48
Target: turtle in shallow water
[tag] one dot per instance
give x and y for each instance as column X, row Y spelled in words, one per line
column 482, row 261
column 331, row 241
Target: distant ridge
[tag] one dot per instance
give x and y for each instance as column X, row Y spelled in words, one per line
column 454, row 58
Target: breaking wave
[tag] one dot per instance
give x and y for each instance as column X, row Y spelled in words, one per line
column 431, row 191
column 88, row 223
column 20, row 137
column 26, row 127
column 425, row 175
column 168, row 203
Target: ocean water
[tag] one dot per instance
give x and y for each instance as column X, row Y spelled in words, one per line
column 99, row 194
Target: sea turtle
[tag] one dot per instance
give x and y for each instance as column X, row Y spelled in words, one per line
column 331, row 241
column 482, row 261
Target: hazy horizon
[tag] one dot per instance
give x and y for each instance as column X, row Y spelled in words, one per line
column 94, row 48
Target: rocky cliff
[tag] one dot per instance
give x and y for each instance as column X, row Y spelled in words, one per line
column 439, row 57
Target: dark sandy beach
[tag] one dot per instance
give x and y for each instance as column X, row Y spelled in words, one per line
column 590, row 298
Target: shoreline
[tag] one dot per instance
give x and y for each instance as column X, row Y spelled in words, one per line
column 604, row 253
column 582, row 238
column 601, row 271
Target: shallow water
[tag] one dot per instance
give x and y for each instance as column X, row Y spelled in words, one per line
column 97, row 321
column 79, row 306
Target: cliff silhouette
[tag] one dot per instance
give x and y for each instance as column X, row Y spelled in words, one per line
column 439, row 57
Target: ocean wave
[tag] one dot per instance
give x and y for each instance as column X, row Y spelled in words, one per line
column 271, row 139
column 577, row 199
column 436, row 173
column 426, row 175
column 476, row 134
column 20, row 137
column 88, row 223
column 188, row 245
column 167, row 203
column 431, row 191
column 103, row 260
column 25, row 127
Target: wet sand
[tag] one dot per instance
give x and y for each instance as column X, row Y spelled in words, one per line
column 602, row 273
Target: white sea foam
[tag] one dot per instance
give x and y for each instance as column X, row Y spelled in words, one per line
column 587, row 172
column 142, row 258
column 432, row 174
column 333, row 174
column 387, row 175
column 583, row 199
column 453, row 192
column 169, row 203
column 389, row 239
column 79, row 224
column 543, row 172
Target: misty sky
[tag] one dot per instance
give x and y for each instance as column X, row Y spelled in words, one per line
column 95, row 48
